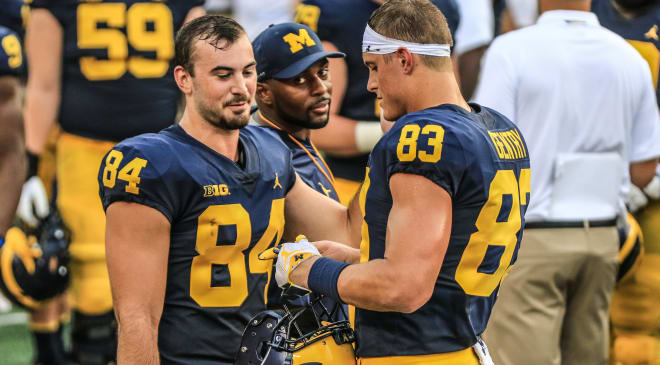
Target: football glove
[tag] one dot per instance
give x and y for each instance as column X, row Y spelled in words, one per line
column 636, row 199
column 33, row 204
column 289, row 255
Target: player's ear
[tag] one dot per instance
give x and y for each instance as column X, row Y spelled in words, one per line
column 264, row 93
column 405, row 60
column 183, row 79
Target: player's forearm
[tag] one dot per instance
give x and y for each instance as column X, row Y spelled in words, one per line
column 44, row 37
column 138, row 341
column 376, row 285
column 41, row 108
column 12, row 159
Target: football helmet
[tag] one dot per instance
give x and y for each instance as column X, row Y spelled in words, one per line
column 300, row 337
column 33, row 271
column 631, row 248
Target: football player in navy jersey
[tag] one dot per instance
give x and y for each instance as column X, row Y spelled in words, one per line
column 443, row 202
column 101, row 70
column 635, row 315
column 189, row 209
column 353, row 129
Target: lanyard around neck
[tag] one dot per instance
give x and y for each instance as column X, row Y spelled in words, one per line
column 330, row 177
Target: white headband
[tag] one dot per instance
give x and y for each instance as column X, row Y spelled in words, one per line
column 375, row 43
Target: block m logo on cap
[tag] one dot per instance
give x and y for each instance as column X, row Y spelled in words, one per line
column 299, row 41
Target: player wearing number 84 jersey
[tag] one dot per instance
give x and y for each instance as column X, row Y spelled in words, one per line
column 188, row 210
column 221, row 217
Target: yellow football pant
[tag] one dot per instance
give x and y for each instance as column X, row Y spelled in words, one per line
column 463, row 357
column 78, row 160
column 635, row 311
column 346, row 189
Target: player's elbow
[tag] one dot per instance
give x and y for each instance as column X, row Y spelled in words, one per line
column 408, row 297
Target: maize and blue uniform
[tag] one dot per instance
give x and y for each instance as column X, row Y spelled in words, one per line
column 342, row 23
column 481, row 160
column 635, row 316
column 124, row 48
column 222, row 216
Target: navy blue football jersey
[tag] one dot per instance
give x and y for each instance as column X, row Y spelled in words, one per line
column 222, row 216
column 342, row 23
column 307, row 169
column 641, row 32
column 11, row 53
column 117, row 70
column 481, row 160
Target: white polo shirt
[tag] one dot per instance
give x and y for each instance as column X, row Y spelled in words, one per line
column 571, row 86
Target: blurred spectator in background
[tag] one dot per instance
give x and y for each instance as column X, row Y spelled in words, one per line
column 519, row 14
column 475, row 32
column 103, row 71
column 255, row 15
column 584, row 101
column 218, row 6
column 354, row 126
column 635, row 313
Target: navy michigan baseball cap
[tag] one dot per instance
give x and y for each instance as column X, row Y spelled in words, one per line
column 285, row 50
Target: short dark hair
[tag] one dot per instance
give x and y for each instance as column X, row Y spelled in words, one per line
column 417, row 21
column 211, row 28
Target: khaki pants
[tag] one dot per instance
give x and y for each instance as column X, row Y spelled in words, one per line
column 553, row 307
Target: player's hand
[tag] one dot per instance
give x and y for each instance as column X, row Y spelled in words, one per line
column 289, row 256
column 338, row 251
column 33, row 204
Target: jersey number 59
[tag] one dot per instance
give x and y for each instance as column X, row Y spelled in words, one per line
column 137, row 20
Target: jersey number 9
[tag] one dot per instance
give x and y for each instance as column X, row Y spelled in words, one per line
column 149, row 27
column 12, row 47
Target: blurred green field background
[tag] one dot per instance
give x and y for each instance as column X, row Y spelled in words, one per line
column 15, row 339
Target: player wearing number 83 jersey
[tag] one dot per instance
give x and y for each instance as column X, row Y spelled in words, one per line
column 221, row 218
column 480, row 159
column 443, row 202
